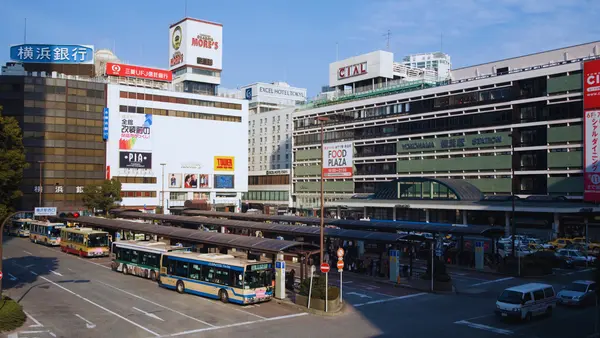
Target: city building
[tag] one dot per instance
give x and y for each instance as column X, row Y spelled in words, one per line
column 451, row 151
column 438, row 61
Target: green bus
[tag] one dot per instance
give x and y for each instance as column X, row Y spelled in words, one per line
column 140, row 258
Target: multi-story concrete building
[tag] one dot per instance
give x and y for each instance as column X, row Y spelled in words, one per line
column 448, row 151
column 438, row 61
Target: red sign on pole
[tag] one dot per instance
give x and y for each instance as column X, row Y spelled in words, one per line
column 116, row 69
column 340, row 265
column 591, row 84
column 340, row 253
column 0, row 275
column 324, row 267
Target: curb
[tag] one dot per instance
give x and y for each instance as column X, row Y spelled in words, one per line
column 289, row 303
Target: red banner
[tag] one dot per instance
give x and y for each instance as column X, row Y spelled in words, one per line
column 116, row 69
column 591, row 161
column 108, row 172
column 591, row 84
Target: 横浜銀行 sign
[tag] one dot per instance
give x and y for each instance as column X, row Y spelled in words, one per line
column 41, row 53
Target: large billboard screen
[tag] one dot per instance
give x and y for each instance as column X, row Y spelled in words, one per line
column 591, row 156
column 196, row 43
column 591, row 84
column 43, row 53
column 337, row 160
column 136, row 132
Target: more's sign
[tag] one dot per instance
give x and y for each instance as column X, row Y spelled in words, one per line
column 135, row 160
column 591, row 84
column 352, row 70
column 122, row 70
column 591, row 162
column 36, row 53
column 45, row 211
column 337, row 160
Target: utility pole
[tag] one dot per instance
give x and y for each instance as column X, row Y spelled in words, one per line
column 322, row 120
column 41, row 186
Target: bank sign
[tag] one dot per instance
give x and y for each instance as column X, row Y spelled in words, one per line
column 337, row 160
column 65, row 54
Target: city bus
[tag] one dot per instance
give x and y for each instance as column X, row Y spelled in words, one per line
column 140, row 258
column 45, row 232
column 20, row 227
column 217, row 276
column 85, row 242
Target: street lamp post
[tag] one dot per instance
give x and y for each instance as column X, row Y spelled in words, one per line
column 322, row 120
column 163, row 187
column 41, row 187
column 513, row 224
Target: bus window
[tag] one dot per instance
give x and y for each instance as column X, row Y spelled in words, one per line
column 181, row 269
column 236, row 279
column 195, row 271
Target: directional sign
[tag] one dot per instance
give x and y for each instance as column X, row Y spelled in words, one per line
column 324, row 267
column 340, row 265
column 340, row 252
column 49, row 211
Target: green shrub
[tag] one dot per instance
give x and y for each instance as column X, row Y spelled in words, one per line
column 318, row 289
column 11, row 315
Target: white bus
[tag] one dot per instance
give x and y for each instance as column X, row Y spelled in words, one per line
column 218, row 276
column 140, row 258
column 45, row 232
column 20, row 227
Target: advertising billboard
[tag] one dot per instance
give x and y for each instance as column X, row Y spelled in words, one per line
column 224, row 163
column 135, row 160
column 44, row 53
column 337, row 160
column 591, row 84
column 196, row 43
column 591, row 125
column 122, row 70
column 136, row 132
column 224, row 182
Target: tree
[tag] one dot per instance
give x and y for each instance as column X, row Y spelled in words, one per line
column 12, row 164
column 102, row 197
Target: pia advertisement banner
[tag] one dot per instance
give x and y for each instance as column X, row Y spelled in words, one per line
column 591, row 84
column 591, row 125
column 337, row 160
column 136, row 132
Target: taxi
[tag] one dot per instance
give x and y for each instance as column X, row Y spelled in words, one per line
column 560, row 243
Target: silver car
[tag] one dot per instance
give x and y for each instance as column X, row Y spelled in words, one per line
column 579, row 292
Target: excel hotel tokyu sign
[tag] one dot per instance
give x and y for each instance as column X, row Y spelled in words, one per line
column 337, row 160
column 41, row 53
column 591, row 126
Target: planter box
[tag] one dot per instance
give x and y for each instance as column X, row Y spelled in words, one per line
column 319, row 304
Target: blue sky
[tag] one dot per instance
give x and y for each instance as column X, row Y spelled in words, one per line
column 295, row 41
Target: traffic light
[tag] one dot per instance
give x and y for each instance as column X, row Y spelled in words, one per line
column 75, row 214
column 62, row 215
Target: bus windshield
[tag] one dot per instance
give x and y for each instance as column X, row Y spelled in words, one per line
column 97, row 240
column 54, row 232
column 257, row 278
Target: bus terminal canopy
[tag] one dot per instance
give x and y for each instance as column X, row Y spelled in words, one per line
column 282, row 229
column 264, row 245
column 384, row 226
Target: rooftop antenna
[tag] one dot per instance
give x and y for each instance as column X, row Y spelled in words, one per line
column 25, row 32
column 387, row 35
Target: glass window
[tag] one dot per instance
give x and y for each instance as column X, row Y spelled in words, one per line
column 538, row 294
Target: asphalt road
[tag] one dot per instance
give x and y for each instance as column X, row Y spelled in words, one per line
column 68, row 296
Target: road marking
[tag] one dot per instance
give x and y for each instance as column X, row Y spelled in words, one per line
column 70, row 269
column 88, row 324
column 479, row 317
column 484, row 327
column 30, row 265
column 151, row 315
column 492, row 281
column 27, row 252
column 79, row 258
column 156, row 304
column 11, row 276
column 347, row 282
column 56, row 273
column 100, row 307
column 33, row 273
column 358, row 294
column 390, row 299
column 52, row 334
column 234, row 325
column 37, row 324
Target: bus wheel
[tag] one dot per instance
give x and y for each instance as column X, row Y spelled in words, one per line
column 223, row 296
column 125, row 270
column 153, row 275
column 180, row 287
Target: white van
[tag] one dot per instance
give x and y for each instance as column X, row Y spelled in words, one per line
column 526, row 301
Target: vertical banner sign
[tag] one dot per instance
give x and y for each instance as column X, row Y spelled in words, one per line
column 591, row 124
column 337, row 160
column 591, row 84
column 108, row 172
column 105, row 130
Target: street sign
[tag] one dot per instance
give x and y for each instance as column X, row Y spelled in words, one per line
column 47, row 211
column 340, row 252
column 0, row 275
column 324, row 267
column 340, row 265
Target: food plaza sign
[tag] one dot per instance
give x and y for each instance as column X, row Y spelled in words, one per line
column 337, row 160
column 352, row 70
column 66, row 54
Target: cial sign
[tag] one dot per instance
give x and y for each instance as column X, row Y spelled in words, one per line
column 122, row 70
column 591, row 84
column 352, row 70
column 45, row 211
column 35, row 53
column 135, row 160
column 337, row 160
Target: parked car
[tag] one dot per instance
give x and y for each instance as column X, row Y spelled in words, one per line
column 526, row 301
column 592, row 246
column 578, row 257
column 555, row 261
column 580, row 292
column 505, row 250
column 560, row 243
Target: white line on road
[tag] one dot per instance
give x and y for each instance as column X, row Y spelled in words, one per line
column 493, row 281
column 11, row 276
column 88, row 324
column 484, row 327
column 390, row 299
column 100, row 306
column 347, row 282
column 56, row 273
column 37, row 324
column 28, row 266
column 33, row 273
column 70, row 269
column 183, row 333
column 577, row 271
column 27, row 252
column 361, row 295
column 151, row 315
column 153, row 303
